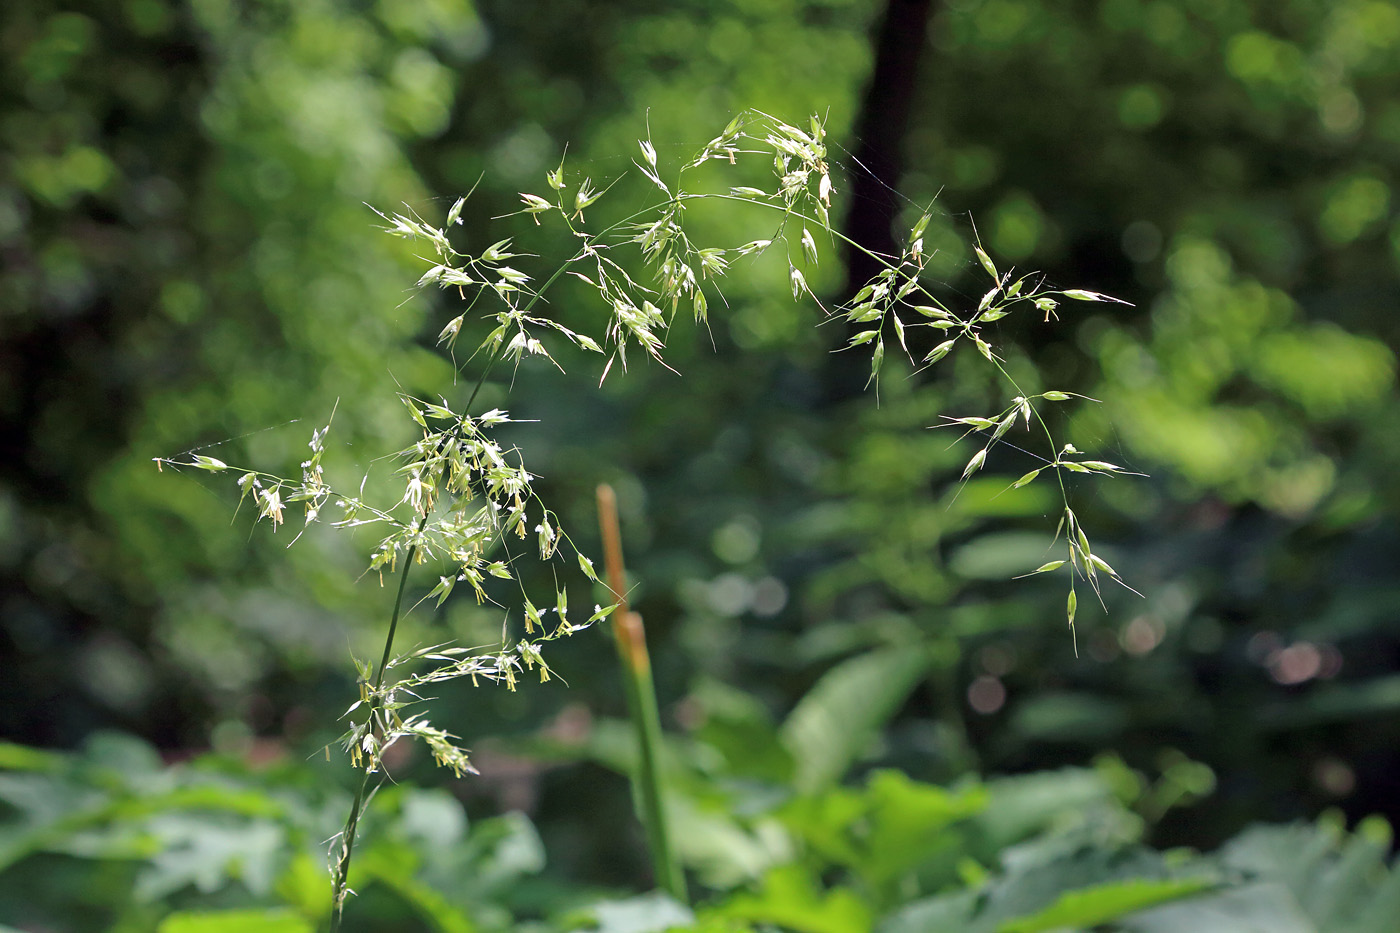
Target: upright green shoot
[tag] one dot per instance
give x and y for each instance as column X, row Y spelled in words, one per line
column 648, row 787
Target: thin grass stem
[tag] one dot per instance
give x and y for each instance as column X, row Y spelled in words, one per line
column 342, row 870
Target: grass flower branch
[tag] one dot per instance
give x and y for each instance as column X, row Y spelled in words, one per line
column 466, row 501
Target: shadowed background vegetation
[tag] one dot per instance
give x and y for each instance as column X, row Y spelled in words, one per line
column 188, row 260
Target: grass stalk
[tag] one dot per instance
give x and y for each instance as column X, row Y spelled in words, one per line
column 342, row 868
column 376, row 705
column 630, row 638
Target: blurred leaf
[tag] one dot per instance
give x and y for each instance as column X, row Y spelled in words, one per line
column 791, row 898
column 741, row 729
column 1088, row 907
column 835, row 723
column 909, row 825
column 999, row 556
column 1254, row 908
column 197, row 851
column 235, row 921
column 23, row 758
column 1029, row 803
column 1067, row 717
column 946, row 913
column 649, row 913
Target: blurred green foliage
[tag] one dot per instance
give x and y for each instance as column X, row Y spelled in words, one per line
column 188, row 262
column 213, row 845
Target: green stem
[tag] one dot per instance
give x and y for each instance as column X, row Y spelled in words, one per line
column 630, row 639
column 647, row 783
column 376, row 705
column 342, row 871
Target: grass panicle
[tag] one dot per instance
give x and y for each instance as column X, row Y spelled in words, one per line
column 467, row 502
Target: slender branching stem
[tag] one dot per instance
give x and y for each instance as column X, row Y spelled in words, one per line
column 376, row 705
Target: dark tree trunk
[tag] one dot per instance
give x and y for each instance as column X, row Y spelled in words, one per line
column 880, row 131
column 874, row 174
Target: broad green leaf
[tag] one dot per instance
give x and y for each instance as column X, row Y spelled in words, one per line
column 1096, row 905
column 941, row 914
column 908, row 821
column 792, row 900
column 836, row 722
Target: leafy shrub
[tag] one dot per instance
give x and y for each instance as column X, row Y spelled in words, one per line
column 109, row 838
